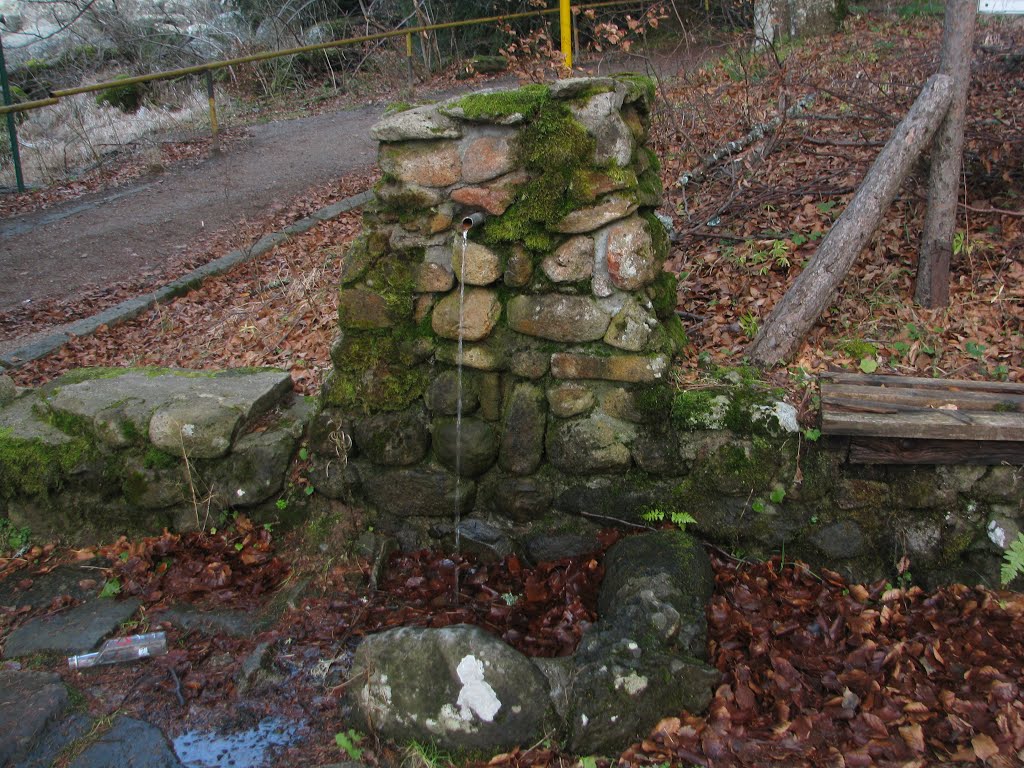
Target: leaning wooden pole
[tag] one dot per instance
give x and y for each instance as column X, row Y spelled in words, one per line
column 793, row 316
column 932, row 287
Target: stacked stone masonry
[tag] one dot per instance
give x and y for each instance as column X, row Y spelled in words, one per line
column 558, row 295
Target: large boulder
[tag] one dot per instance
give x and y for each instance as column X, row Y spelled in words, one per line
column 458, row 686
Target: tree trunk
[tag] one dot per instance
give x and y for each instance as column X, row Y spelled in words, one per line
column 793, row 316
column 932, row 289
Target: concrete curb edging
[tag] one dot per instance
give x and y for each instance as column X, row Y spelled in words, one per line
column 131, row 308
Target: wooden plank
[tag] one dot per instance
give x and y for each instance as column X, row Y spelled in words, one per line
column 876, row 450
column 925, row 424
column 965, row 401
column 917, row 382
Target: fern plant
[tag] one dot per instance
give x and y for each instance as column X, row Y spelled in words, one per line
column 678, row 519
column 1013, row 561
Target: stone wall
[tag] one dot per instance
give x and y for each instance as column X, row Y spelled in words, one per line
column 568, row 422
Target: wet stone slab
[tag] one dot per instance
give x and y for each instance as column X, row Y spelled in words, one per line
column 80, row 581
column 29, row 703
column 128, row 742
column 77, row 630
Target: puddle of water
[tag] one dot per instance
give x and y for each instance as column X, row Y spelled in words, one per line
column 242, row 749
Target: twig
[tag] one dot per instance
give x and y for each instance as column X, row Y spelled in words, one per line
column 841, row 143
column 617, row 520
column 177, row 686
column 996, row 211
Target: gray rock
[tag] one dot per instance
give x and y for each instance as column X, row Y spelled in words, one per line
column 600, row 116
column 518, row 268
column 442, row 395
column 632, row 260
column 545, row 547
column 62, row 580
column 54, row 740
column 558, row 318
column 630, row 328
column 484, row 540
column 588, row 219
column 471, row 451
column 153, row 487
column 200, row 428
column 585, row 446
column 568, row 400
column 571, row 87
column 521, row 498
column 419, row 123
column 396, row 439
column 530, row 364
column 640, row 662
column 416, row 491
column 522, row 441
column 29, row 703
column 571, row 262
column 77, row 630
column 458, row 686
column 840, row 540
column 474, row 264
column 130, row 743
column 7, row 389
column 119, row 407
column 479, row 313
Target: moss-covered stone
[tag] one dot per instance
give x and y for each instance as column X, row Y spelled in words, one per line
column 526, row 101
column 375, row 372
column 32, row 467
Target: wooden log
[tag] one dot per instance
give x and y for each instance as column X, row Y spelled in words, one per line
column 881, row 450
column 793, row 316
column 932, row 287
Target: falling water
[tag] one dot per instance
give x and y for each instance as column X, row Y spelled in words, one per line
column 458, row 400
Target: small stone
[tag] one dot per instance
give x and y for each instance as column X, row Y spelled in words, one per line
column 396, row 439
column 408, row 196
column 481, row 310
column 442, row 395
column 496, row 197
column 441, row 219
column 427, row 163
column 522, row 441
column 7, row 389
column 840, row 540
column 571, row 262
column 420, row 123
column 558, row 318
column 522, row 498
column 479, row 357
column 587, row 446
column 475, row 264
column 621, row 404
column 416, row 491
column 422, row 306
column 484, row 540
column 600, row 183
column 201, row 428
column 469, row 450
column 361, row 309
column 588, row 219
column 487, row 157
column 433, row 278
column 613, row 138
column 530, row 364
column 630, row 328
column 629, row 368
column 490, row 396
column 568, row 400
column 519, row 269
column 632, row 262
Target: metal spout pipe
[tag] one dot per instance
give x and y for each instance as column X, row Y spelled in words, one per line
column 472, row 220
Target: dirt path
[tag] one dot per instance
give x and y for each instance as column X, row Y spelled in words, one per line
column 106, row 235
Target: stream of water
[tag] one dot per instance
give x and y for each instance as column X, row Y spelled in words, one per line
column 458, row 401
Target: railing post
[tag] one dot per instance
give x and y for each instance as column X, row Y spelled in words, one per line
column 213, row 113
column 12, row 129
column 408, row 57
column 565, row 33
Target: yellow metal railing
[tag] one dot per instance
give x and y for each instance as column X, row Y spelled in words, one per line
column 565, row 10
column 408, row 32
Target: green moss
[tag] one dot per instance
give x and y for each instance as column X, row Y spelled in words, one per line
column 654, row 403
column 127, row 98
column 697, row 409
column 526, row 101
column 154, row 458
column 32, row 467
column 556, row 149
column 641, row 88
column 857, row 348
column 662, row 293
column 380, row 373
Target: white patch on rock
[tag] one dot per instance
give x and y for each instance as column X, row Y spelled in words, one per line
column 188, row 430
column 476, row 697
column 632, row 684
column 584, row 720
column 784, row 413
column 997, row 535
column 239, row 493
column 376, row 695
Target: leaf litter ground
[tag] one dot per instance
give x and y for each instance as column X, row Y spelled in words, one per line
column 815, row 671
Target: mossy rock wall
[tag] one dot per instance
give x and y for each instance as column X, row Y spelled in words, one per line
column 568, row 325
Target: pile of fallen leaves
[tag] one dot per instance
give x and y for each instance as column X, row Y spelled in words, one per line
column 541, row 610
column 750, row 220
column 819, row 672
column 235, row 567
